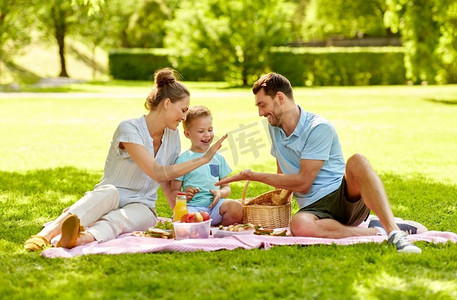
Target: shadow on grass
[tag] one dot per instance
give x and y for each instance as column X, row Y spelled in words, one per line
column 21, row 74
column 442, row 101
column 28, row 200
column 73, row 88
column 67, row 180
column 415, row 197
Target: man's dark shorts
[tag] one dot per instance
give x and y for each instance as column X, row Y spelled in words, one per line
column 337, row 207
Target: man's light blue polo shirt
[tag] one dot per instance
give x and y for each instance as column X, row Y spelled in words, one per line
column 313, row 138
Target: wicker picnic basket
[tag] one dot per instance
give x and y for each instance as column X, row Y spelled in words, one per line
column 271, row 209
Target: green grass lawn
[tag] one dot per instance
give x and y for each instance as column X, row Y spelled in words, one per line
column 53, row 150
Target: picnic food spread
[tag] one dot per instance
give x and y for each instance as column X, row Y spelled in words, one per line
column 237, row 227
column 159, row 233
column 167, row 225
column 178, row 230
column 268, row 231
column 195, row 225
column 192, row 230
column 195, row 217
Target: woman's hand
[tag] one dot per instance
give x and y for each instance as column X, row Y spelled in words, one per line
column 213, row 149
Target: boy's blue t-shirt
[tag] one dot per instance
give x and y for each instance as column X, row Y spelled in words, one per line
column 203, row 177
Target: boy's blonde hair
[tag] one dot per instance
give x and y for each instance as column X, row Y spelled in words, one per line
column 196, row 112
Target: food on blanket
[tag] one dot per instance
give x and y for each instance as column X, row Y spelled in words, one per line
column 282, row 232
column 199, row 230
column 271, row 198
column 205, row 215
column 167, row 225
column 194, row 217
column 281, row 198
column 263, row 231
column 259, row 230
column 158, row 233
column 184, row 218
column 198, row 233
column 237, row 227
column 181, row 232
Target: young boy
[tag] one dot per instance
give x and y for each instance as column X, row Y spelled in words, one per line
column 201, row 193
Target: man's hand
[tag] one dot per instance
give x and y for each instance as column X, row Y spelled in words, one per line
column 243, row 175
column 190, row 192
column 216, row 197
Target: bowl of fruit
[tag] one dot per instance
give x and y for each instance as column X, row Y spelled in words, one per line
column 196, row 225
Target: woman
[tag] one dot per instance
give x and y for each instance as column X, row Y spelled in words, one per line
column 139, row 160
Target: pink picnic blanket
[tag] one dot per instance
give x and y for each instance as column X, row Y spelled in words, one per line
column 128, row 243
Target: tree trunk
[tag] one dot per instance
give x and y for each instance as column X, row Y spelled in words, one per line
column 60, row 36
column 60, row 28
column 94, row 63
column 124, row 40
column 244, row 75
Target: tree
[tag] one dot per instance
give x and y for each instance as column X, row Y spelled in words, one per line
column 147, row 27
column 105, row 27
column 298, row 19
column 428, row 30
column 93, row 6
column 15, row 25
column 447, row 49
column 58, row 19
column 326, row 18
column 232, row 38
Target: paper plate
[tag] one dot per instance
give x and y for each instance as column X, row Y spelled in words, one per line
column 218, row 233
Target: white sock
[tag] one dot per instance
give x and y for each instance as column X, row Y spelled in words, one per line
column 393, row 232
column 381, row 231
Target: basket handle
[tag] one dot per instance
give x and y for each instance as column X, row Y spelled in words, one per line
column 243, row 197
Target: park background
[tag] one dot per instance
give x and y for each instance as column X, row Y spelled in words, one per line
column 312, row 42
column 383, row 72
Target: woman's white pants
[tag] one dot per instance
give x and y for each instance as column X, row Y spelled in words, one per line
column 99, row 212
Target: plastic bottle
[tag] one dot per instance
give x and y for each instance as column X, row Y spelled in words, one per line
column 180, row 207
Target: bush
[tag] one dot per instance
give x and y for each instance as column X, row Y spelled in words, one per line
column 302, row 66
column 137, row 64
column 340, row 66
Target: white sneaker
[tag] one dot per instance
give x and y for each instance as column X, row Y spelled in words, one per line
column 400, row 240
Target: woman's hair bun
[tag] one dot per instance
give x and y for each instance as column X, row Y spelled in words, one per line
column 164, row 76
column 167, row 85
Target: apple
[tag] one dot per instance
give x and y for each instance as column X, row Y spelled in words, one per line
column 205, row 215
column 184, row 218
column 181, row 233
column 195, row 217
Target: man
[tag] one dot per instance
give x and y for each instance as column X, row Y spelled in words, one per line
column 333, row 197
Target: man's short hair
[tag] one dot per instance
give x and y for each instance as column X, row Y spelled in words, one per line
column 195, row 112
column 273, row 83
